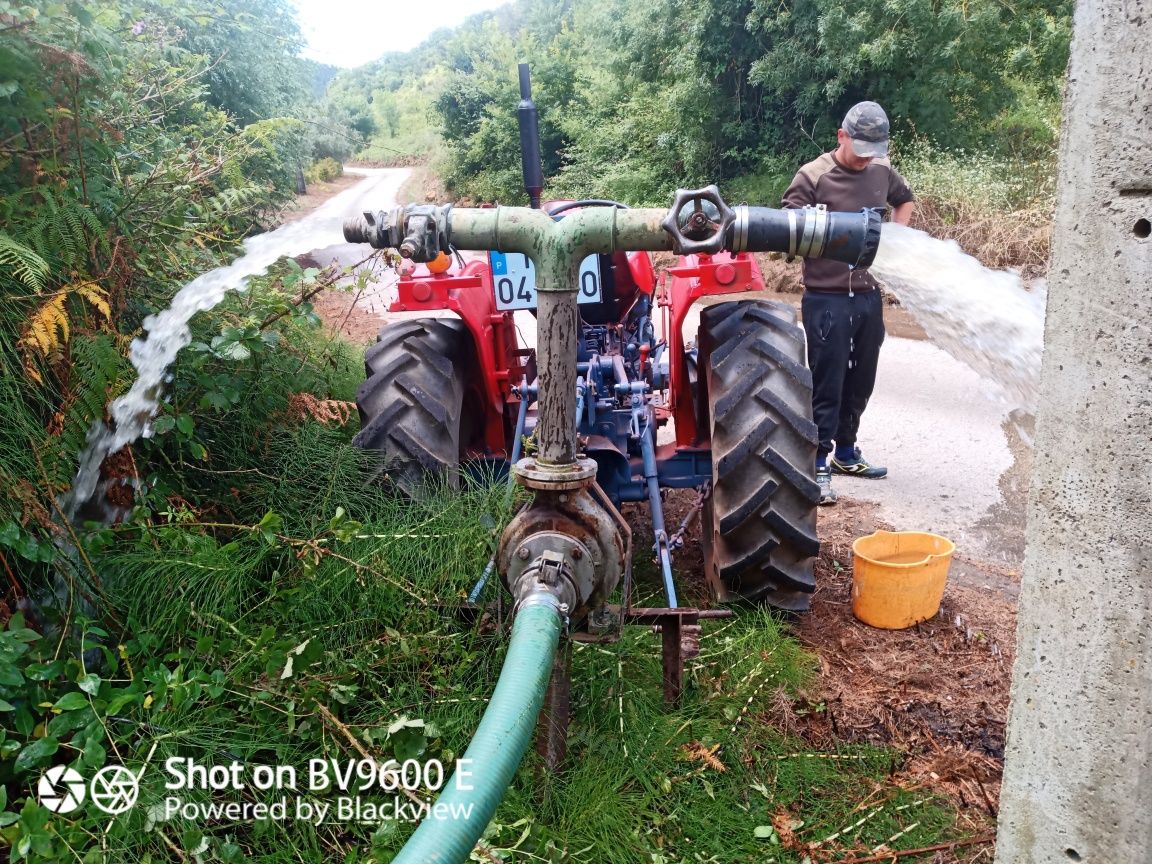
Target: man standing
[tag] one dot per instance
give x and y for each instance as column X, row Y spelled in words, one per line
column 842, row 311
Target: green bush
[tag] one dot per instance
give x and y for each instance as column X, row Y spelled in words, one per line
column 975, row 182
column 323, row 170
column 279, row 147
column 765, row 186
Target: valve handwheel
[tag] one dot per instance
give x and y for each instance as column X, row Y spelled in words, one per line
column 696, row 227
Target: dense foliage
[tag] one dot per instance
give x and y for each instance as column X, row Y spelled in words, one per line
column 638, row 98
column 135, row 152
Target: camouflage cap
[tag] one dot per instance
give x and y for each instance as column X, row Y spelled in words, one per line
column 867, row 126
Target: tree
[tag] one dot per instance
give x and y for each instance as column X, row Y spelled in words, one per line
column 940, row 67
column 252, row 46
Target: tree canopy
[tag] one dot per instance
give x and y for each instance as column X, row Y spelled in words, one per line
column 638, row 98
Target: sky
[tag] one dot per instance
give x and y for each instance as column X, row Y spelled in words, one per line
column 351, row 33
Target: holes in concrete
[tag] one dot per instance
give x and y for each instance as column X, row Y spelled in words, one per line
column 1073, row 855
column 1142, row 228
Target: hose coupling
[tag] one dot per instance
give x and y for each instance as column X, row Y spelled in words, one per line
column 418, row 231
column 550, row 575
column 546, row 599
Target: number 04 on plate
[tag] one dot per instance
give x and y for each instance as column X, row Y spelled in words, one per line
column 514, row 280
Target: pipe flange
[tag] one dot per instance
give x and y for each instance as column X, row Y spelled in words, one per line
column 872, row 223
column 555, row 478
column 572, row 580
column 740, row 228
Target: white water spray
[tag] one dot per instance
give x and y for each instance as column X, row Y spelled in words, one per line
column 985, row 318
column 168, row 332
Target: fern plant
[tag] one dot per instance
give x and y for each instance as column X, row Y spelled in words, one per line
column 98, row 373
column 23, row 264
column 48, row 327
column 64, row 230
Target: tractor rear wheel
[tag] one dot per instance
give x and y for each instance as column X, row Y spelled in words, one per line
column 760, row 530
column 411, row 404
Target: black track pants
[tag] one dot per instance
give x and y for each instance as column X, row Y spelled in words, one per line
column 844, row 335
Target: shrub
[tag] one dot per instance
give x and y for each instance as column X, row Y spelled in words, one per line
column 277, row 149
column 765, row 186
column 999, row 209
column 323, row 170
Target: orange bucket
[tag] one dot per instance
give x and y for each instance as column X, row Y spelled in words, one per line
column 898, row 577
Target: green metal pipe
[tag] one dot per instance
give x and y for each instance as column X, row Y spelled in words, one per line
column 447, row 835
column 558, row 326
column 557, row 248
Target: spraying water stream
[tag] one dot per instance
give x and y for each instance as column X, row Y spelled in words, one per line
column 984, row 318
column 168, row 332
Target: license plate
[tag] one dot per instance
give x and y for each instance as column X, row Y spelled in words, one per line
column 514, row 280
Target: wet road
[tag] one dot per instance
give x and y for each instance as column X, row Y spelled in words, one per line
column 940, row 431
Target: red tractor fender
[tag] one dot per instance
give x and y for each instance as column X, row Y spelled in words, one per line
column 500, row 360
column 693, row 277
column 642, row 272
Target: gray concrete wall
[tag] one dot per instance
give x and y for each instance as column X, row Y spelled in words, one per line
column 1078, row 776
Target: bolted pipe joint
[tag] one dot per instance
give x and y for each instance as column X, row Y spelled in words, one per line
column 418, row 231
column 564, row 542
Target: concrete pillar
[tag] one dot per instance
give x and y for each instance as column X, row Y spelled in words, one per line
column 1078, row 773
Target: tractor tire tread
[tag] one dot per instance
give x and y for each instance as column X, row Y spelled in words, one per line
column 411, row 402
column 764, row 496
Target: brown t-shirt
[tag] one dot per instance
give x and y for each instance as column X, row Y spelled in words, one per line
column 826, row 181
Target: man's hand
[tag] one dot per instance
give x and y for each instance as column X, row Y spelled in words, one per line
column 903, row 214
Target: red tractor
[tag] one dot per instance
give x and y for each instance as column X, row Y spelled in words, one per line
column 444, row 393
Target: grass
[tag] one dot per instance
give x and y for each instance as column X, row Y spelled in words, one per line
column 264, row 606
column 707, row 781
column 712, row 780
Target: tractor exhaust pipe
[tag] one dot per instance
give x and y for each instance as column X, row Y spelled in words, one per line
column 529, row 121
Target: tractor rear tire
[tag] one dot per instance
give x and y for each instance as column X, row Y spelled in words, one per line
column 761, row 525
column 410, row 406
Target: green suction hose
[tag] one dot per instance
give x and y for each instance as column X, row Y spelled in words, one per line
column 505, row 730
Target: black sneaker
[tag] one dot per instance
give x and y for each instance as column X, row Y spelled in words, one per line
column 858, row 467
column 824, row 481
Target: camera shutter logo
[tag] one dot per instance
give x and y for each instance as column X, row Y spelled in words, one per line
column 115, row 789
column 61, row 789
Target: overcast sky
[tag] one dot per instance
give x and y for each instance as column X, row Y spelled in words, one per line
column 351, row 33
